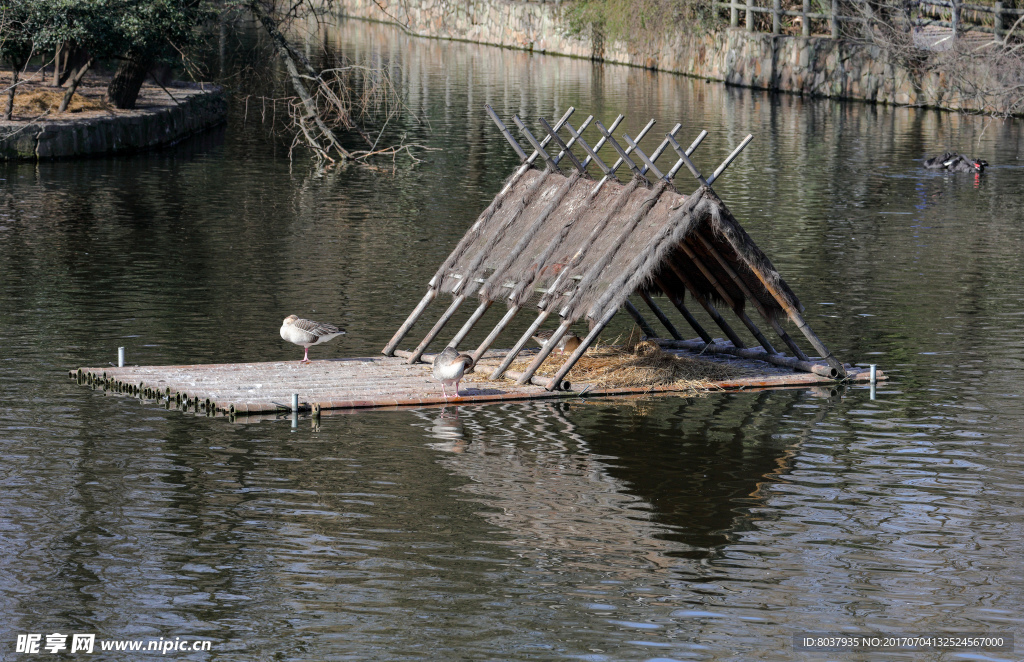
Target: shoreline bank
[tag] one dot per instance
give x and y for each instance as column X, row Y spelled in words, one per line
column 814, row 66
column 163, row 116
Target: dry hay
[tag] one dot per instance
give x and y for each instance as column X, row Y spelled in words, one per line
column 38, row 102
column 636, row 365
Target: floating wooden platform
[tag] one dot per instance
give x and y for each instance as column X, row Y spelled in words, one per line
column 245, row 388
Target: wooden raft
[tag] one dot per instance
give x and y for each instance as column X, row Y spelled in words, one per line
column 246, row 388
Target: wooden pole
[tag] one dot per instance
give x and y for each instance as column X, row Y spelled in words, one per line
column 422, row 347
column 708, row 306
column 797, row 318
column 734, row 14
column 754, row 353
column 835, row 19
column 505, row 132
column 750, row 16
column 690, row 319
column 689, row 150
column 561, row 144
column 389, row 350
column 493, row 335
column 639, row 319
column 777, row 17
column 600, row 142
column 756, row 332
column 537, row 147
column 545, row 351
column 750, row 296
column 584, row 346
column 805, row 23
column 520, row 344
column 660, row 314
column 467, row 327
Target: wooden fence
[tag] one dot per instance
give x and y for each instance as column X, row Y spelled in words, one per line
column 958, row 17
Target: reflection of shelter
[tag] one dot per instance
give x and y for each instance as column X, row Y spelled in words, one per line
column 682, row 482
column 584, row 248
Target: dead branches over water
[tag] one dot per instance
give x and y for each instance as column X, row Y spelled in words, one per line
column 986, row 70
column 333, row 105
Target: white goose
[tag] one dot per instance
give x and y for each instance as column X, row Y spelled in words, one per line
column 449, row 368
column 307, row 333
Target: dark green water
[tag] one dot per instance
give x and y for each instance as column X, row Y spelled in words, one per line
column 643, row 529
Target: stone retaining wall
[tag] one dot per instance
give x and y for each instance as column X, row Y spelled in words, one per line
column 132, row 131
column 817, row 66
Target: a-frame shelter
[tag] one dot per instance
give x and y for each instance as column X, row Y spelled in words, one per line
column 556, row 239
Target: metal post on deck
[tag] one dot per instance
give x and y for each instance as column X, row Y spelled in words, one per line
column 120, row 357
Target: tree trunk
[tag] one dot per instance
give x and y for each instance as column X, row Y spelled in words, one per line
column 74, row 57
column 75, row 80
column 56, row 65
column 125, row 85
column 9, row 109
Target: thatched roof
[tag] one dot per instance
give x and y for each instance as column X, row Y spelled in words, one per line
column 579, row 248
column 534, row 233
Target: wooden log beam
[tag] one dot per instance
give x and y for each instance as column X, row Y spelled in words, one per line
column 544, row 352
column 660, row 314
column 729, row 301
column 754, row 353
column 708, row 306
column 750, row 296
column 403, row 330
column 681, row 307
column 520, row 344
column 639, row 319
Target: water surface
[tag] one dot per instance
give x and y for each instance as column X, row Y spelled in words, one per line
column 663, row 528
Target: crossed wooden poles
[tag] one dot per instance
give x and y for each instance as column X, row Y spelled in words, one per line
column 645, row 172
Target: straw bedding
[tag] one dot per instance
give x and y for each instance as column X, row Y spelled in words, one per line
column 39, row 101
column 636, row 366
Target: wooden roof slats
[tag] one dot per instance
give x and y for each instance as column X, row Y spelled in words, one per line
column 585, row 248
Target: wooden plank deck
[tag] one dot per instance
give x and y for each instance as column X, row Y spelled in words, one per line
column 247, row 388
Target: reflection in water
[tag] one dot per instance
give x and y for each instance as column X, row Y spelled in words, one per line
column 708, row 528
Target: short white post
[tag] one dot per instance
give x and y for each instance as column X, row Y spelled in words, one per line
column 120, row 357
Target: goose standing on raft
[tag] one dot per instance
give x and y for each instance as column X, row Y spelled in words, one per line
column 307, row 333
column 569, row 342
column 449, row 368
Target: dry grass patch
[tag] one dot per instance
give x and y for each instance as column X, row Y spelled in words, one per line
column 37, row 102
